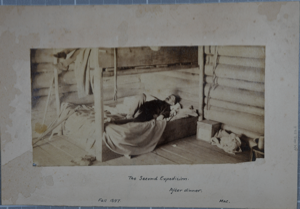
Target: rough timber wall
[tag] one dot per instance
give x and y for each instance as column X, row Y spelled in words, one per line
column 183, row 82
column 131, row 62
column 234, row 88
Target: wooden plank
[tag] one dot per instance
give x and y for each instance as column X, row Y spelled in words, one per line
column 180, row 74
column 72, row 97
column 147, row 70
column 57, row 156
column 196, row 156
column 238, row 51
column 145, row 159
column 73, row 88
column 236, row 107
column 243, row 156
column 134, row 56
column 98, row 99
column 42, row 158
column 239, row 96
column 235, row 83
column 174, row 157
column 139, row 56
column 238, row 61
column 253, row 123
column 41, row 55
column 210, row 152
column 178, row 129
column 42, row 80
column 237, row 72
column 65, row 144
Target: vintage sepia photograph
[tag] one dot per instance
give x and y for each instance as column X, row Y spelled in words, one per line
column 147, row 105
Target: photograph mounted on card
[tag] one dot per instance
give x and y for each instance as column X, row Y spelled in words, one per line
column 150, row 105
column 204, row 96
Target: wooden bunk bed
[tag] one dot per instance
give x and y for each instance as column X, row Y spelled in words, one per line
column 171, row 132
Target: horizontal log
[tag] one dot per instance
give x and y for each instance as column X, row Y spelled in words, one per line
column 188, row 96
column 42, row 80
column 237, row 72
column 245, row 97
column 194, row 71
column 39, row 103
column 235, row 106
column 73, row 88
column 237, row 61
column 61, row 89
column 47, row 67
column 240, row 131
column 152, row 70
column 108, row 95
column 181, row 74
column 239, row 84
column 238, row 51
column 155, row 81
column 245, row 121
column 134, row 56
column 41, row 55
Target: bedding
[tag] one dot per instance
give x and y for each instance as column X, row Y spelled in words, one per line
column 132, row 138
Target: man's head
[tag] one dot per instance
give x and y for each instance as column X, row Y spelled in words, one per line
column 171, row 100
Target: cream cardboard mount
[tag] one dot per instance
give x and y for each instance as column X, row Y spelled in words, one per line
column 271, row 183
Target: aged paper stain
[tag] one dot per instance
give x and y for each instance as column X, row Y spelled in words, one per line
column 15, row 80
column 270, row 10
column 14, row 183
column 122, row 33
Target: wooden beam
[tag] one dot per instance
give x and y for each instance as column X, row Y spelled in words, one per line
column 133, row 56
column 237, row 107
column 238, row 51
column 151, row 70
column 56, row 87
column 237, row 72
column 201, row 80
column 239, row 84
column 98, row 94
column 239, row 96
column 42, row 80
column 250, row 122
column 238, row 61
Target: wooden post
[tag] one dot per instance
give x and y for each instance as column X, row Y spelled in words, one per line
column 56, row 86
column 57, row 99
column 98, row 86
column 201, row 80
column 115, row 75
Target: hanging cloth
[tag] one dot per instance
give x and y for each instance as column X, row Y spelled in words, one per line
column 82, row 73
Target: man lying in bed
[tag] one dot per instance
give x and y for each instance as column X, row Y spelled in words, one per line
column 141, row 110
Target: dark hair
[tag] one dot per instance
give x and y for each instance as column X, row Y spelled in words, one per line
column 177, row 98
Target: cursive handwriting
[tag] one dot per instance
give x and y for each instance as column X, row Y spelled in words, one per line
column 156, row 178
column 111, row 200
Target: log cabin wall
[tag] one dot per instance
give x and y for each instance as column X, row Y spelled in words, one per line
column 130, row 62
column 234, row 88
column 183, row 82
